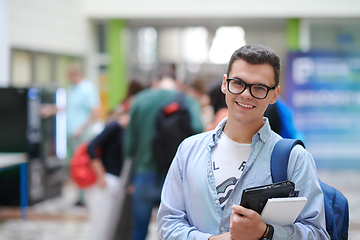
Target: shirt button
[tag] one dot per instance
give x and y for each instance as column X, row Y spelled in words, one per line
column 222, row 229
column 217, row 201
column 210, row 174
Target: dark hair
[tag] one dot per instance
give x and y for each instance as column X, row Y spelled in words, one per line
column 257, row 54
column 136, row 85
column 197, row 82
column 217, row 97
column 166, row 70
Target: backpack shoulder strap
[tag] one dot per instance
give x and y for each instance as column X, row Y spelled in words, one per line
column 280, row 158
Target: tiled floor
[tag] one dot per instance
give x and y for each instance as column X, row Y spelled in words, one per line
column 58, row 219
column 16, row 229
column 53, row 219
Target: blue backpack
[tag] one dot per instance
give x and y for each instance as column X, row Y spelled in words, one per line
column 336, row 204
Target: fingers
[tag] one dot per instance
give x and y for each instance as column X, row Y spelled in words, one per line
column 240, row 210
column 101, row 182
column 245, row 223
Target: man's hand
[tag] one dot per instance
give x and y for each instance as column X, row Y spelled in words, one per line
column 101, row 182
column 78, row 132
column 247, row 226
column 224, row 236
column 46, row 110
column 99, row 171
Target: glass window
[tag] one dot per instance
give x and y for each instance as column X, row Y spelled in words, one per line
column 21, row 68
column 225, row 41
column 147, row 45
column 335, row 36
column 194, row 44
column 101, row 37
column 43, row 68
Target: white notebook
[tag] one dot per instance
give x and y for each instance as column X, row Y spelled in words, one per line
column 283, row 211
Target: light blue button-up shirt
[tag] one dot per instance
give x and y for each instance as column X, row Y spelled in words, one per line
column 190, row 207
column 81, row 100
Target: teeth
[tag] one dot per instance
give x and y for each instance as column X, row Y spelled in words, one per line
column 245, row 106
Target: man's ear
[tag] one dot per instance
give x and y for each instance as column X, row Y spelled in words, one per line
column 276, row 94
column 223, row 85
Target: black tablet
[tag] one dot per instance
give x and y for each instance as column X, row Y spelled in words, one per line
column 255, row 198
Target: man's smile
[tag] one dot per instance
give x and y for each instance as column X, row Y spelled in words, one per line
column 244, row 105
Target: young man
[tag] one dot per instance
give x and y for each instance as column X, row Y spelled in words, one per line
column 202, row 191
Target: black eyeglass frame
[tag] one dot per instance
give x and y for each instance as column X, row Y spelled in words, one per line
column 248, row 85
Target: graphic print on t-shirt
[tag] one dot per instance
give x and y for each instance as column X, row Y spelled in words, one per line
column 225, row 188
column 229, row 160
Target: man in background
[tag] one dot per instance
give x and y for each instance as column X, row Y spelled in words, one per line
column 82, row 110
column 147, row 182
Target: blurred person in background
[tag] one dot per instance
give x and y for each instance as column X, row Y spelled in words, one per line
column 217, row 101
column 281, row 120
column 100, row 198
column 146, row 181
column 106, row 153
column 202, row 191
column 82, row 110
column 136, row 85
column 196, row 87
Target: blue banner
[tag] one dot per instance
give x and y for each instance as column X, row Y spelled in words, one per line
column 323, row 89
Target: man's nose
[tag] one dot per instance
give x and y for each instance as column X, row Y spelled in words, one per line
column 246, row 92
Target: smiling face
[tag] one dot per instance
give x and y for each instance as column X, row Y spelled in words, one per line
column 244, row 108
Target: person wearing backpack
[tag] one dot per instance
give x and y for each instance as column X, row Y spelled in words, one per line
column 140, row 133
column 202, row 191
column 281, row 120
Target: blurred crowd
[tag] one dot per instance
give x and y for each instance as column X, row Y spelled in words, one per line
column 126, row 133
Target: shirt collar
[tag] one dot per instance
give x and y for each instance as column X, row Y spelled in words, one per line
column 263, row 134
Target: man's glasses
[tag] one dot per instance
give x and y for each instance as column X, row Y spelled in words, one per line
column 237, row 86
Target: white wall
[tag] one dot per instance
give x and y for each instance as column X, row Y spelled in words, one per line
column 51, row 26
column 223, row 9
column 4, row 45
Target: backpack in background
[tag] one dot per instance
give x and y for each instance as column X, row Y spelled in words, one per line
column 281, row 120
column 287, row 128
column 335, row 203
column 172, row 126
column 81, row 171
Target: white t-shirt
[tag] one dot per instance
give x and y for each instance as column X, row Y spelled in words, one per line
column 229, row 159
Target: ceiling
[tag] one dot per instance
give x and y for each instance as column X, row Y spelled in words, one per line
column 256, row 24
